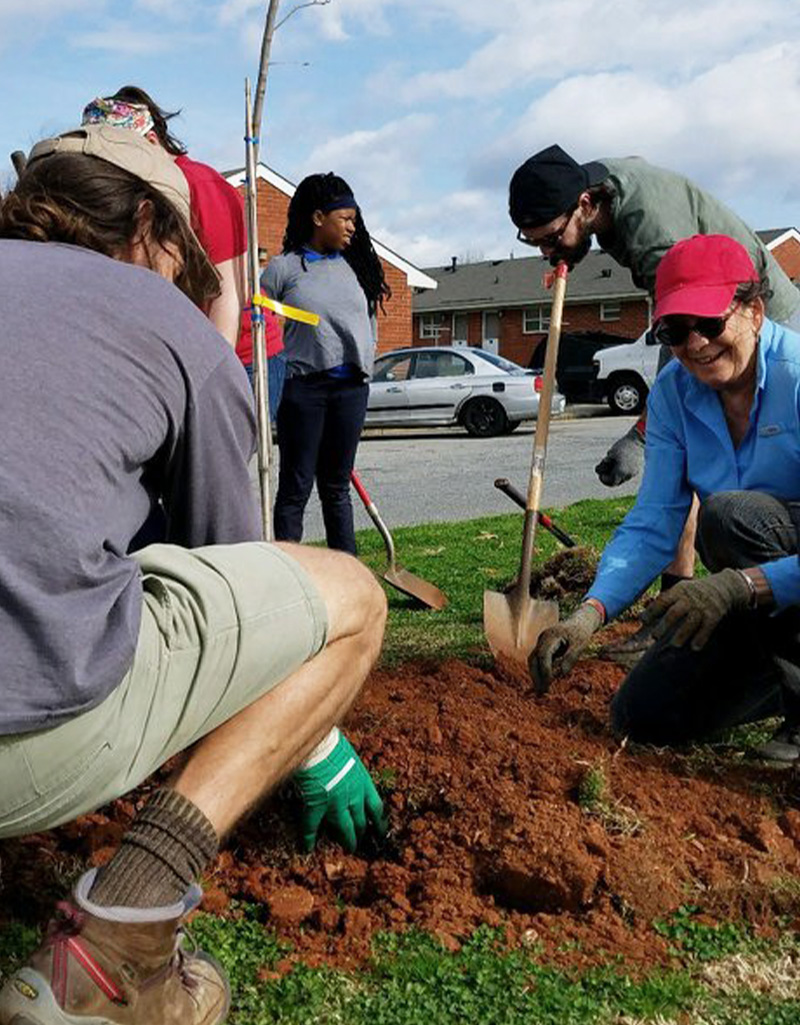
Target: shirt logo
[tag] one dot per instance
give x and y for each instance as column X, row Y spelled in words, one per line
column 769, row 431
column 27, row 991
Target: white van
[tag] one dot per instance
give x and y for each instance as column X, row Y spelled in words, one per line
column 625, row 374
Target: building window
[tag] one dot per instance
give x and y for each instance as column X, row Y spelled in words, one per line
column 610, row 311
column 460, row 330
column 535, row 320
column 430, row 326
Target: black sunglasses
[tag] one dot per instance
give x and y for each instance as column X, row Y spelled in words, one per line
column 672, row 333
column 547, row 241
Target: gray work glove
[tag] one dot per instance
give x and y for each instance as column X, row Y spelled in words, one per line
column 689, row 612
column 623, row 460
column 562, row 644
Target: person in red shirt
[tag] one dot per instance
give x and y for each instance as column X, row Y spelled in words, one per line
column 276, row 359
column 217, row 209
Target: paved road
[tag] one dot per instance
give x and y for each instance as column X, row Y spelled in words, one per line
column 423, row 477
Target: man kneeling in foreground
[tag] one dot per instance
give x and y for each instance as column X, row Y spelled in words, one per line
column 119, row 399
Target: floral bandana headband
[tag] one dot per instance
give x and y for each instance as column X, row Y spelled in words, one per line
column 119, row 114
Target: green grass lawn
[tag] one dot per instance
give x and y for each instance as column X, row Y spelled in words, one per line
column 463, row 560
column 721, row 975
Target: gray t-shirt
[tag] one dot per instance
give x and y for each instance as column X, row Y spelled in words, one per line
column 327, row 286
column 652, row 209
column 115, row 393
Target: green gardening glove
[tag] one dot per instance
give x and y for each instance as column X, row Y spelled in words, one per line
column 689, row 612
column 339, row 792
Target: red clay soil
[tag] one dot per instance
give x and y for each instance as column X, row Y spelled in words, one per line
column 482, row 781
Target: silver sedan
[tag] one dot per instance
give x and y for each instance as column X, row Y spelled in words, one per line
column 443, row 385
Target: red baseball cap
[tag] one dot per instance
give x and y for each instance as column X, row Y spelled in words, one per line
column 698, row 276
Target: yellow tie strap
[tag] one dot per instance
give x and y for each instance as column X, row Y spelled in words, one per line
column 290, row 312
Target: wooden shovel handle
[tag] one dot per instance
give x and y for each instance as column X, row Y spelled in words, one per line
column 543, row 424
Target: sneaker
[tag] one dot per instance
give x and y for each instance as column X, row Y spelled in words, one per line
column 782, row 748
column 116, row 966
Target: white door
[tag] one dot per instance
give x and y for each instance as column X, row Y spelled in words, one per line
column 460, row 330
column 491, row 331
column 440, row 381
column 388, row 400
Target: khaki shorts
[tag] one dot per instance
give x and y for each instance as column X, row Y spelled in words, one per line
column 220, row 627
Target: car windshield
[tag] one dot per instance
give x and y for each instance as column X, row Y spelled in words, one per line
column 497, row 361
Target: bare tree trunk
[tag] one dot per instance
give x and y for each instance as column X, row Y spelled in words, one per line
column 263, row 66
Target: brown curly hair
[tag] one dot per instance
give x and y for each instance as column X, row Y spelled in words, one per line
column 88, row 202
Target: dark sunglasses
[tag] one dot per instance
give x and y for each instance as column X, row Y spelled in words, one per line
column 547, row 241
column 674, row 333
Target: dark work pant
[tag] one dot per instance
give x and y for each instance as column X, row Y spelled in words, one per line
column 750, row 667
column 276, row 374
column 319, row 424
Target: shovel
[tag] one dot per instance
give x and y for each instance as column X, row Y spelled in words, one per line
column 395, row 575
column 504, row 484
column 513, row 621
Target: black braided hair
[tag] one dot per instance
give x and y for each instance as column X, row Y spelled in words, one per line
column 133, row 94
column 314, row 193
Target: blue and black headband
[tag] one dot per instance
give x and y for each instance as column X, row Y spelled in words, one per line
column 347, row 201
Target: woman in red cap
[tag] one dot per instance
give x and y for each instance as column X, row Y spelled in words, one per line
column 724, row 422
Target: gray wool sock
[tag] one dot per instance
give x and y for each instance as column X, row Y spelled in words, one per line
column 168, row 845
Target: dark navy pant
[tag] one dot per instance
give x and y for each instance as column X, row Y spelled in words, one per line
column 319, row 425
column 750, row 667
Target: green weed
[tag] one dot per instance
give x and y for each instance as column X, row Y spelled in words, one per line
column 697, row 940
column 16, row 943
column 594, row 798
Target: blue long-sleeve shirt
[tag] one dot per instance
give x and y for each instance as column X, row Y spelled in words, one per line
column 689, row 449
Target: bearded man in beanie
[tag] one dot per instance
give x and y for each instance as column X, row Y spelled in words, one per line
column 636, row 212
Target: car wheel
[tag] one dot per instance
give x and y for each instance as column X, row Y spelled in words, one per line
column 511, row 426
column 627, row 394
column 484, row 418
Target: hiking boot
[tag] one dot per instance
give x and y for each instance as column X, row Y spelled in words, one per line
column 116, row 966
column 783, row 747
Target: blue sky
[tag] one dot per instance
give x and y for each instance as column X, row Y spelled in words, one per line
column 427, row 106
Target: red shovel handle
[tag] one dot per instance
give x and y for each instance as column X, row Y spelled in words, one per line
column 362, row 491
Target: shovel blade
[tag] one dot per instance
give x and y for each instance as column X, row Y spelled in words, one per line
column 513, row 622
column 416, row 587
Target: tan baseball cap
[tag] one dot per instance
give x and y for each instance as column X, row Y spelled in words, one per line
column 126, row 149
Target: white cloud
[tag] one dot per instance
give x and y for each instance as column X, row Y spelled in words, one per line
column 468, row 222
column 174, row 10
column 729, row 125
column 380, row 163
column 11, row 10
column 232, row 11
column 600, row 35
column 26, row 19
column 122, row 39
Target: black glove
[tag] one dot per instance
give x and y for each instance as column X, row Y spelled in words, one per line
column 689, row 612
column 623, row 460
column 563, row 645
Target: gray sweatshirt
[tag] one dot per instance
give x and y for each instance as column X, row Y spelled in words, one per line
column 653, row 209
column 115, row 392
column 327, row 286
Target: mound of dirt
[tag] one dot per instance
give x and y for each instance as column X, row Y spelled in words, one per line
column 494, row 820
column 566, row 575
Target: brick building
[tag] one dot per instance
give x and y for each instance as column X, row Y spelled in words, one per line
column 503, row 305
column 784, row 244
column 394, row 326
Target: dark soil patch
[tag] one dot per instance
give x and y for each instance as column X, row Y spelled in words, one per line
column 566, row 575
column 482, row 782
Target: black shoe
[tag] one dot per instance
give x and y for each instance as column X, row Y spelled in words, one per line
column 782, row 748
